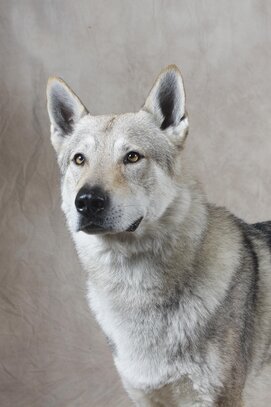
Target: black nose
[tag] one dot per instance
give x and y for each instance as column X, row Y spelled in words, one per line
column 91, row 200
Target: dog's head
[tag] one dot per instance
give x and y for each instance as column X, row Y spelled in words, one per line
column 119, row 172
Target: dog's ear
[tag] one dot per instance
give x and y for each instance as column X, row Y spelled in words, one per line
column 166, row 100
column 65, row 109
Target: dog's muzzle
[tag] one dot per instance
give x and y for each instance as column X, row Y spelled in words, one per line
column 92, row 203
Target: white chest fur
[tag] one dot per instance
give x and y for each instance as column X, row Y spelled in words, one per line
column 147, row 337
column 135, row 339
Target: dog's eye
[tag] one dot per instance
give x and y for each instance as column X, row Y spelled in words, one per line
column 132, row 157
column 79, row 159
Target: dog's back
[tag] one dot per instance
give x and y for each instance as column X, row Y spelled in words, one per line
column 265, row 228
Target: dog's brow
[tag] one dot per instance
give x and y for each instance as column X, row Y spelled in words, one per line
column 91, row 142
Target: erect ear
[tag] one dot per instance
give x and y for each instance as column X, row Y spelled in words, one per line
column 166, row 100
column 64, row 107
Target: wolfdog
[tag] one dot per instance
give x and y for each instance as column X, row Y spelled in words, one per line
column 180, row 287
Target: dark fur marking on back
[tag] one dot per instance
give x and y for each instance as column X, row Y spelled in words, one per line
column 265, row 228
column 251, row 269
column 249, row 246
column 251, row 300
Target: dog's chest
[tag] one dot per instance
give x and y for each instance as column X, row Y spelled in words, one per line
column 142, row 346
column 147, row 353
column 147, row 340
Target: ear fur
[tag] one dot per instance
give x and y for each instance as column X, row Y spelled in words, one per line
column 64, row 108
column 166, row 100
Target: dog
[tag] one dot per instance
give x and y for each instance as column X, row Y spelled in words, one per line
column 180, row 287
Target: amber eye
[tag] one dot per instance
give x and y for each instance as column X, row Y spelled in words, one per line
column 132, row 157
column 79, row 159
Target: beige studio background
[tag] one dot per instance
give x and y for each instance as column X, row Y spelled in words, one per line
column 52, row 354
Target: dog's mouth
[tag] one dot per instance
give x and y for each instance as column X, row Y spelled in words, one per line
column 134, row 225
column 93, row 228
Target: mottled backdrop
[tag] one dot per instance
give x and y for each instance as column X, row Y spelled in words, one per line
column 52, row 353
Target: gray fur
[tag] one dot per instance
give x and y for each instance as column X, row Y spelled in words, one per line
column 186, row 298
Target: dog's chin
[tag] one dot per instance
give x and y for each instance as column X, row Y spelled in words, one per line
column 92, row 228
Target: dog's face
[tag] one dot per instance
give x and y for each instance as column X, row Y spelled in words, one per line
column 119, row 172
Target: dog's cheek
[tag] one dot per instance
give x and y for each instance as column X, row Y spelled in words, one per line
column 136, row 175
column 163, row 193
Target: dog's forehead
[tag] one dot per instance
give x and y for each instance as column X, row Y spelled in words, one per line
column 119, row 128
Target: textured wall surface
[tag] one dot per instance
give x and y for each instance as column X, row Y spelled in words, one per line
column 52, row 353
